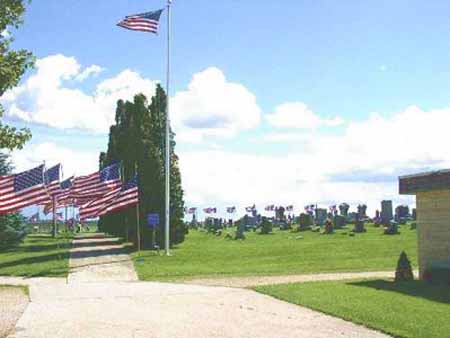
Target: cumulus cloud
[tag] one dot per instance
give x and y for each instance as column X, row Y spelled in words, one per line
column 297, row 115
column 213, row 106
column 74, row 161
column 46, row 97
column 89, row 71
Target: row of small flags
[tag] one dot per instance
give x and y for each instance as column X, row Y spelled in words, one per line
column 97, row 194
column 232, row 210
column 308, row 209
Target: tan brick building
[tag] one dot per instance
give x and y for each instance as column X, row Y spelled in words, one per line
column 432, row 192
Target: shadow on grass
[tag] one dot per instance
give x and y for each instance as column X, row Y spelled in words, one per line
column 29, row 261
column 433, row 292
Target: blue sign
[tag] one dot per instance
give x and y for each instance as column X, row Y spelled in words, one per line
column 152, row 220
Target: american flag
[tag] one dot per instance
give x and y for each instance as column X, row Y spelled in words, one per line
column 92, row 208
column 22, row 190
column 51, row 179
column 210, row 210
column 144, row 22
column 127, row 197
column 62, row 196
column 290, row 208
column 270, row 207
column 231, row 210
column 95, row 185
column 192, row 210
column 34, row 218
column 250, row 209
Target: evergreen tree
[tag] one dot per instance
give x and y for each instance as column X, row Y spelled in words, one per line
column 12, row 226
column 12, row 66
column 137, row 140
column 404, row 270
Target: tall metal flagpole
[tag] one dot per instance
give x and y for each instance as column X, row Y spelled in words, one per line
column 167, row 169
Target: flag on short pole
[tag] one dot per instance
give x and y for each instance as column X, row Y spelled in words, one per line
column 251, row 208
column 270, row 207
column 192, row 210
column 22, row 190
column 210, row 210
column 231, row 210
column 144, row 22
column 290, row 208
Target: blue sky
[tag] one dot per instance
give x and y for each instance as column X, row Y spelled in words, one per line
column 359, row 72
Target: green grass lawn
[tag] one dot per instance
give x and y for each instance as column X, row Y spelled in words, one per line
column 407, row 309
column 38, row 256
column 279, row 253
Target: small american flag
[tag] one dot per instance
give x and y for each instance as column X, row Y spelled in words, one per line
column 290, row 208
column 127, row 197
column 192, row 210
column 270, row 207
column 250, row 209
column 22, row 190
column 144, row 22
column 231, row 210
column 210, row 210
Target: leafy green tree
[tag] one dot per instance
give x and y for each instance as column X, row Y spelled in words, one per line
column 12, row 66
column 137, row 140
column 12, row 226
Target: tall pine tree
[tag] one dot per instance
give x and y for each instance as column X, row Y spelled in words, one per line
column 137, row 140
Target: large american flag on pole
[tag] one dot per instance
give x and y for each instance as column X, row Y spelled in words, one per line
column 51, row 179
column 95, row 185
column 92, row 208
column 144, row 22
column 127, row 197
column 22, row 190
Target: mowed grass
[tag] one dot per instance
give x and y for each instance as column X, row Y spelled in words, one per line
column 280, row 253
column 407, row 309
column 38, row 256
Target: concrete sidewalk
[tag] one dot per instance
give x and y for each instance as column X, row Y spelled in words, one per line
column 102, row 298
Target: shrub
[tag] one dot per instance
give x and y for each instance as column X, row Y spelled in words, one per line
column 404, row 270
column 12, row 230
column 266, row 226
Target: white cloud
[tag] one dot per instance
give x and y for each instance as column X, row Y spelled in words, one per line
column 73, row 161
column 297, row 115
column 213, row 106
column 89, row 71
column 46, row 97
column 360, row 165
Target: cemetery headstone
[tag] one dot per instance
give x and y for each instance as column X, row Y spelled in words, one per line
column 321, row 216
column 305, row 221
column 339, row 221
column 392, row 228
column 414, row 214
column 386, row 212
column 362, row 208
column 241, row 229
column 343, row 209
